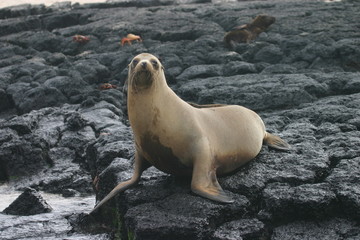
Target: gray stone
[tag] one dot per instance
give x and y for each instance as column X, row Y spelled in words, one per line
column 200, row 71
column 162, row 220
column 270, row 54
column 30, row 202
column 91, row 70
column 345, row 181
column 279, row 69
column 304, row 201
column 312, row 230
column 69, row 137
column 241, row 229
column 239, row 67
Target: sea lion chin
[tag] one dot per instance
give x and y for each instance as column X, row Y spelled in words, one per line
column 141, row 74
column 196, row 141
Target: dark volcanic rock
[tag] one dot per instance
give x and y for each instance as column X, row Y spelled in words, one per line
column 258, row 92
column 29, row 202
column 305, row 201
column 330, row 229
column 241, row 229
column 189, row 216
column 202, row 71
column 36, row 97
column 61, row 133
column 345, row 182
column 5, row 102
column 23, row 10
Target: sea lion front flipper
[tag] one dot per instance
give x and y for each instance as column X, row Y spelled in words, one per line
column 244, row 26
column 140, row 165
column 204, row 181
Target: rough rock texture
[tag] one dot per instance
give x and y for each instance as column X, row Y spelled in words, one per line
column 30, row 202
column 60, row 132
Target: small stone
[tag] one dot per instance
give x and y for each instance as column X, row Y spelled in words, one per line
column 30, row 202
column 70, row 193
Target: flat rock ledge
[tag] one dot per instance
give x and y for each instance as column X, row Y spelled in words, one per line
column 62, row 132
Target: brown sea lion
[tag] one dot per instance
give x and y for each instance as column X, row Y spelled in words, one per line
column 248, row 32
column 197, row 141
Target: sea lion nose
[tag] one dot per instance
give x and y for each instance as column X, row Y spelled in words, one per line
column 143, row 64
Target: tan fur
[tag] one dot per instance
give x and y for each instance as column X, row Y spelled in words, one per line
column 248, row 32
column 197, row 141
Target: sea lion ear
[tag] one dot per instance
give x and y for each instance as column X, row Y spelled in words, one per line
column 161, row 63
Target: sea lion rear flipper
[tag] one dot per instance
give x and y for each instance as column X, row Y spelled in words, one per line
column 204, row 182
column 276, row 142
column 212, row 192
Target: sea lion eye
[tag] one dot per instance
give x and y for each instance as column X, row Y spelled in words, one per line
column 154, row 63
column 135, row 62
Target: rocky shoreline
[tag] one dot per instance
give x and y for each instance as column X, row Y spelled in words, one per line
column 62, row 132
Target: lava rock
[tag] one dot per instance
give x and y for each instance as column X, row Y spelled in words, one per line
column 5, row 102
column 77, row 140
column 331, row 229
column 279, row 69
column 240, row 229
column 22, row 156
column 118, row 171
column 75, row 121
column 304, row 201
column 70, row 193
column 91, row 70
column 162, row 220
column 37, row 98
column 22, row 10
column 200, row 71
column 30, row 202
column 61, row 20
column 67, row 86
column 345, row 181
column 86, row 223
column 15, row 25
column 270, row 54
column 254, row 91
column 67, row 134
column 239, row 67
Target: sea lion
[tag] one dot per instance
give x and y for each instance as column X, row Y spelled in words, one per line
column 248, row 32
column 185, row 139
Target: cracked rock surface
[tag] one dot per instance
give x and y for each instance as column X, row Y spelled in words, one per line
column 60, row 132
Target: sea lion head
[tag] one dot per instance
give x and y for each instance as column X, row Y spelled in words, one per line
column 263, row 21
column 144, row 71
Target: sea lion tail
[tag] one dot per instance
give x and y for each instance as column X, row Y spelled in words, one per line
column 276, row 142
